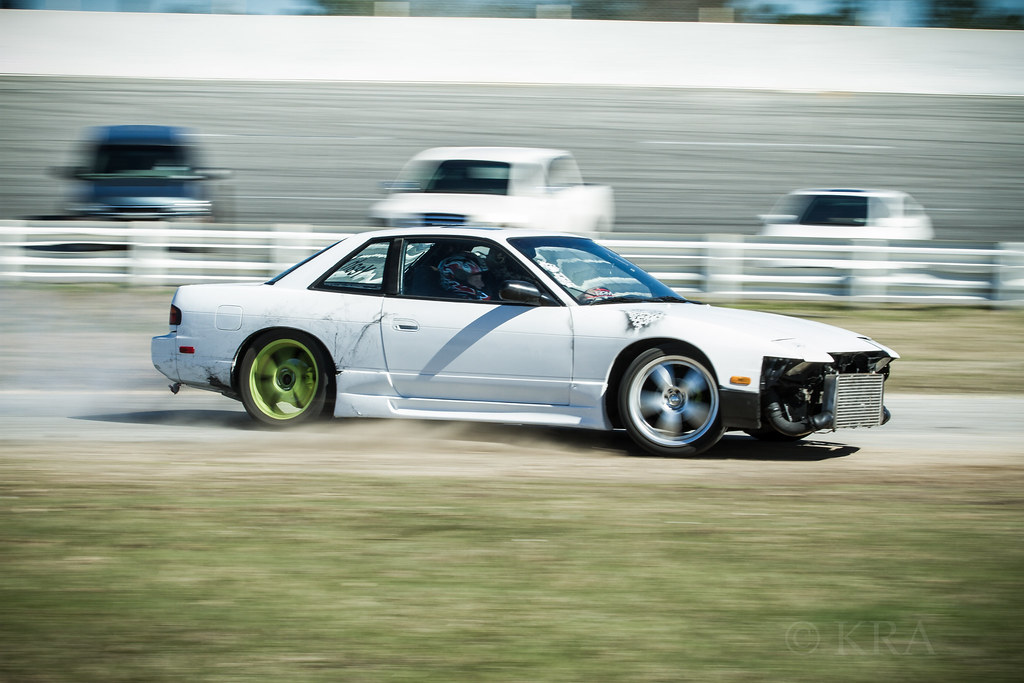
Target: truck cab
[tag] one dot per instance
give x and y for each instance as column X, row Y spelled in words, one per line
column 520, row 187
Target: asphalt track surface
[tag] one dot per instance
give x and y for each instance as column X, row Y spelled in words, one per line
column 682, row 162
column 944, row 428
column 77, row 389
column 152, row 434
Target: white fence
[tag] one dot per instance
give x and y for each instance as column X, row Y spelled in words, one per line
column 717, row 267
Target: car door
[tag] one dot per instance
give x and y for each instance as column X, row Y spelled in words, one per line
column 441, row 347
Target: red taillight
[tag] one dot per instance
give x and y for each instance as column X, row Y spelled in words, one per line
column 186, row 349
column 175, row 315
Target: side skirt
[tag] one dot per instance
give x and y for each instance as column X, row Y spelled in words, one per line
column 361, row 405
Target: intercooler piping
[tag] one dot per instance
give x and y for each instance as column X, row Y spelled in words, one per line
column 777, row 418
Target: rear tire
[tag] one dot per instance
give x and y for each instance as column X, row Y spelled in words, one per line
column 283, row 378
column 669, row 403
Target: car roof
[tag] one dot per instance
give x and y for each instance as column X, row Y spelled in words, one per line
column 499, row 234
column 313, row 267
column 139, row 134
column 504, row 154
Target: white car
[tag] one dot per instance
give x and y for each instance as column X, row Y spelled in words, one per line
column 848, row 214
column 514, row 326
column 514, row 187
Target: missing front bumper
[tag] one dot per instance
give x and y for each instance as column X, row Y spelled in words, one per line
column 855, row 400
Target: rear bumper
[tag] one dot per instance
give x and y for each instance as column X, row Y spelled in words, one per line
column 164, row 353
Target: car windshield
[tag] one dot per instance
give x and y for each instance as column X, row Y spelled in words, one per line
column 591, row 273
column 140, row 161
column 837, row 210
column 455, row 176
column 463, row 176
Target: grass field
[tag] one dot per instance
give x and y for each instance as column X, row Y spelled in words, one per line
column 342, row 578
column 137, row 562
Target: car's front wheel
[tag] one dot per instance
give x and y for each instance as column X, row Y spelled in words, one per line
column 283, row 378
column 669, row 403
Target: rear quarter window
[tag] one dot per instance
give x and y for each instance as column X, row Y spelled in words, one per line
column 361, row 272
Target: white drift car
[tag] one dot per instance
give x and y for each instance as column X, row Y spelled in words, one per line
column 514, row 326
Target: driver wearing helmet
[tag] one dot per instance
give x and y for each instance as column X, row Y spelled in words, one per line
column 462, row 276
column 500, row 267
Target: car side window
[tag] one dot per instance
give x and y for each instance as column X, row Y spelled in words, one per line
column 420, row 259
column 458, row 269
column 503, row 267
column 444, row 269
column 361, row 272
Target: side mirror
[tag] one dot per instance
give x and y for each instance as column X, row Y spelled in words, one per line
column 522, row 292
column 400, row 186
column 777, row 218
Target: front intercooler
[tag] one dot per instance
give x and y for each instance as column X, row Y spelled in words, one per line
column 855, row 400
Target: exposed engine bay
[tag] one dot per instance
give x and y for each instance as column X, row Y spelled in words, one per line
column 800, row 397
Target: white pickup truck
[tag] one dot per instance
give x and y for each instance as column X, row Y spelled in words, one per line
column 522, row 187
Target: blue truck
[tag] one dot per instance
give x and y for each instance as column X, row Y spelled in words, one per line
column 142, row 172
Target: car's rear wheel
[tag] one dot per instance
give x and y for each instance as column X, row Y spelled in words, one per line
column 283, row 378
column 669, row 403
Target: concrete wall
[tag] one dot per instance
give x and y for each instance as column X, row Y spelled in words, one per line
column 415, row 49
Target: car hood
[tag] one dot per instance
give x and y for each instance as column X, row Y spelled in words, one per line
column 775, row 327
column 775, row 334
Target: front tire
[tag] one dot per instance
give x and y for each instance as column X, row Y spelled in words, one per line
column 283, row 378
column 669, row 403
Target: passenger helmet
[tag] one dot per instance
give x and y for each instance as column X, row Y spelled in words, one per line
column 457, row 270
